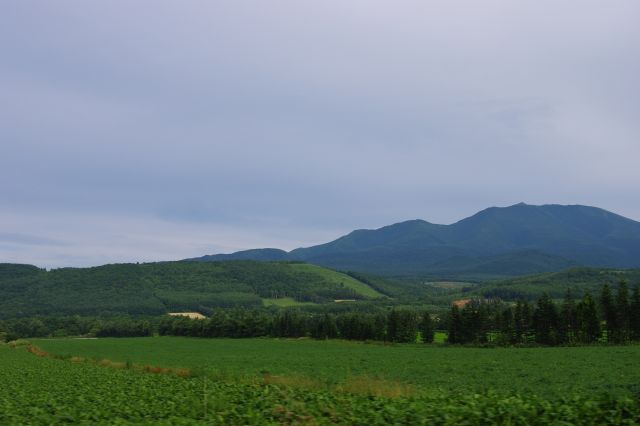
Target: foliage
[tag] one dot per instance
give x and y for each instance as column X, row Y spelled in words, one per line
column 120, row 326
column 482, row 321
column 43, row 391
column 157, row 288
column 556, row 284
column 549, row 372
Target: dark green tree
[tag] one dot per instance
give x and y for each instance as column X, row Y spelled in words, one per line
column 325, row 327
column 426, row 328
column 474, row 322
column 568, row 320
column 455, row 325
column 380, row 327
column 634, row 314
column 608, row 309
column 402, row 326
column 393, row 325
column 622, row 310
column 507, row 327
column 522, row 322
column 545, row 321
column 588, row 321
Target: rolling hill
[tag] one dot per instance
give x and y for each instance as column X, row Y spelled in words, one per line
column 158, row 288
column 496, row 242
column 555, row 284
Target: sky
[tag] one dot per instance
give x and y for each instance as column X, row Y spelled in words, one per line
column 160, row 130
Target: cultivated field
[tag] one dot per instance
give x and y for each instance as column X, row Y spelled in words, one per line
column 44, row 391
column 426, row 369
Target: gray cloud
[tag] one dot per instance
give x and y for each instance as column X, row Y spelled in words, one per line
column 287, row 123
column 8, row 238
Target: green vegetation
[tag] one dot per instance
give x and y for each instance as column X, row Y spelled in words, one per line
column 492, row 244
column 548, row 372
column 338, row 279
column 158, row 288
column 556, row 284
column 612, row 319
column 285, row 302
column 44, row 391
column 323, row 375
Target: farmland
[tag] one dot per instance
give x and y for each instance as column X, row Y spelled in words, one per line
column 425, row 368
column 44, row 390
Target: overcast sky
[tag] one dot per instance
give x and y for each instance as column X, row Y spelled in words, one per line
column 159, row 130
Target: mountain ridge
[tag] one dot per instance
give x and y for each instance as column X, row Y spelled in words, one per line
column 536, row 239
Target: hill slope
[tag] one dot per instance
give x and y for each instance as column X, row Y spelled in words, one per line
column 555, row 284
column 157, row 288
column 516, row 240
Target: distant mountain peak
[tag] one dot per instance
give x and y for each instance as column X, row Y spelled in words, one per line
column 494, row 239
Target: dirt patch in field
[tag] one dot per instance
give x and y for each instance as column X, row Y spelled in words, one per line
column 192, row 315
column 461, row 303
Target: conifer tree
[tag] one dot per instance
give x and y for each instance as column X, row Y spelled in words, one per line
column 545, row 321
column 380, row 327
column 455, row 325
column 393, row 325
column 426, row 328
column 568, row 319
column 588, row 322
column 609, row 313
column 325, row 327
column 507, row 327
column 518, row 323
column 408, row 327
column 622, row 311
column 634, row 314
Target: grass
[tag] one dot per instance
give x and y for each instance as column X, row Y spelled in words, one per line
column 450, row 285
column 427, row 369
column 439, row 337
column 285, row 302
column 339, row 278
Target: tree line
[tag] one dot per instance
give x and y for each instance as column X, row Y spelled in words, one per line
column 393, row 326
column 122, row 326
column 611, row 318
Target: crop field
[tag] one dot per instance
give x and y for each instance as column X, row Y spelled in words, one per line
column 424, row 369
column 42, row 390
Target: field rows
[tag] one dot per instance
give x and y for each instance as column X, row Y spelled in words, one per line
column 429, row 369
column 40, row 390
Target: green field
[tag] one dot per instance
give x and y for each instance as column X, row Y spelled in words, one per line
column 46, row 391
column 426, row 369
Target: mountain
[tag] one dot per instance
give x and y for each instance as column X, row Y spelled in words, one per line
column 496, row 242
column 265, row 255
column 158, row 288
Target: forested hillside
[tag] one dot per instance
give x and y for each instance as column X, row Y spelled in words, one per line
column 494, row 243
column 157, row 288
column 556, row 284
